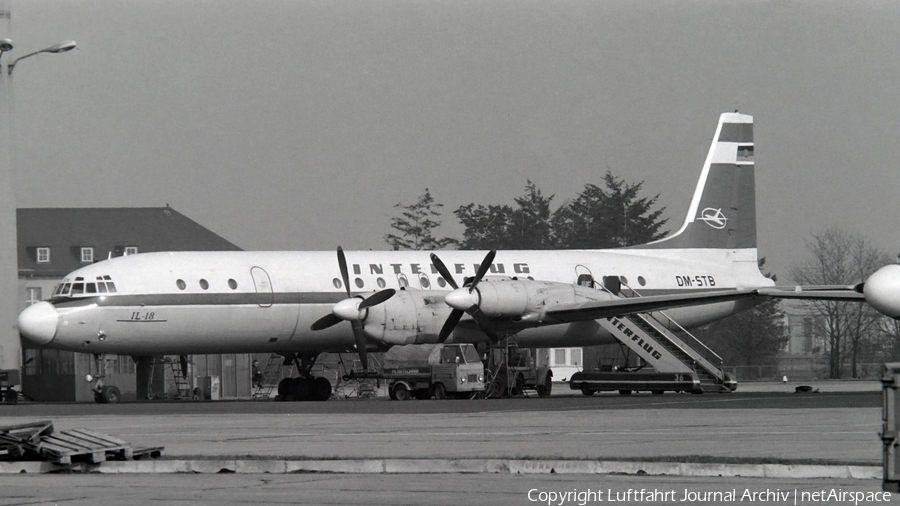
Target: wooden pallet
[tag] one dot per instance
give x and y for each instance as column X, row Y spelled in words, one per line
column 83, row 444
column 38, row 441
column 17, row 440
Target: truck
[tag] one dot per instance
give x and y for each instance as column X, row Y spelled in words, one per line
column 512, row 370
column 448, row 370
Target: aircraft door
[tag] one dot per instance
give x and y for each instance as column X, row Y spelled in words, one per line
column 265, row 295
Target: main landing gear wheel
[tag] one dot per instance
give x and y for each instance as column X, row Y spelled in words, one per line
column 586, row 390
column 321, row 389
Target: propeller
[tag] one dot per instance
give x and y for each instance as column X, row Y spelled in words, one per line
column 465, row 299
column 352, row 309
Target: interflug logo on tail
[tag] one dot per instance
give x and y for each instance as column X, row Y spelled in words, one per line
column 714, row 218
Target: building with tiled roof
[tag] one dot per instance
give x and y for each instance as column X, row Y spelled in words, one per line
column 56, row 241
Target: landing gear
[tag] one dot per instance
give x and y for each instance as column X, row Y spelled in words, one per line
column 305, row 387
column 103, row 394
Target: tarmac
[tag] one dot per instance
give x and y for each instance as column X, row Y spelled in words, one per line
column 510, row 451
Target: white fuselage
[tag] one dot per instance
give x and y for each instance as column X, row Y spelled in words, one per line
column 242, row 302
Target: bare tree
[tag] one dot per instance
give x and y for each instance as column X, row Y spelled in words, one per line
column 840, row 258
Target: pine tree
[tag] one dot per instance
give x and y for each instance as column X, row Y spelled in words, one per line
column 416, row 224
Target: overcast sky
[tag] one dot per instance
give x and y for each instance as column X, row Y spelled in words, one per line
column 299, row 124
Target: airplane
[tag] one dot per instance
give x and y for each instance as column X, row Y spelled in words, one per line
column 298, row 305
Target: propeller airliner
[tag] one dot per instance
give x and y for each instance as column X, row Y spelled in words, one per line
column 302, row 304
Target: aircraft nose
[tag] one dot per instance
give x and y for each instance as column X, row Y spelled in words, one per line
column 37, row 323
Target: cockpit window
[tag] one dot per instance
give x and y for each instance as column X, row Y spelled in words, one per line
column 103, row 284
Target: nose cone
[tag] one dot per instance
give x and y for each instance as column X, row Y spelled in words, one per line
column 37, row 323
column 348, row 309
column 461, row 299
column 882, row 290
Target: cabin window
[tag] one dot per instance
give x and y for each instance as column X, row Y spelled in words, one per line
column 337, row 283
column 642, row 281
column 204, row 284
column 381, row 282
column 441, row 282
column 424, row 282
column 232, row 284
column 43, row 255
column 87, row 255
column 181, row 284
column 401, row 279
column 90, row 287
column 359, row 283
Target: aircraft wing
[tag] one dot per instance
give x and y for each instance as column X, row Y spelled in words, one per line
column 594, row 310
column 836, row 293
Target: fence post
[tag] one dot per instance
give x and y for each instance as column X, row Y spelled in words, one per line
column 890, row 382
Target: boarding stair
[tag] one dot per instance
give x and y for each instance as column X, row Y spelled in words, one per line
column 650, row 335
column 179, row 369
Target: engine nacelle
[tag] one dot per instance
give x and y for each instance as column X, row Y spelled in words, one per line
column 882, row 290
column 528, row 300
column 409, row 317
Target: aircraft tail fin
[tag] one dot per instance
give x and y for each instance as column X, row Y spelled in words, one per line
column 722, row 214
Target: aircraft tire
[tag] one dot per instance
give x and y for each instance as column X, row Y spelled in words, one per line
column 110, row 395
column 439, row 391
column 624, row 392
column 321, row 389
column 586, row 390
column 301, row 389
column 400, row 392
column 285, row 387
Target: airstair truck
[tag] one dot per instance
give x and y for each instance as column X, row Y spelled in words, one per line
column 439, row 371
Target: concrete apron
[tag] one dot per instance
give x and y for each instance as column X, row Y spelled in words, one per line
column 452, row 466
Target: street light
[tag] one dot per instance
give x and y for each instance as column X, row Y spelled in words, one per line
column 62, row 47
column 10, row 345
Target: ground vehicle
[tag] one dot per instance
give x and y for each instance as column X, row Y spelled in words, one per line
column 627, row 382
column 513, row 370
column 450, row 370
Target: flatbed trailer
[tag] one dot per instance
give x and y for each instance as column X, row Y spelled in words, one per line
column 625, row 382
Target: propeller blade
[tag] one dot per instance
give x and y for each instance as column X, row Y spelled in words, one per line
column 449, row 325
column 483, row 268
column 325, row 322
column 360, row 337
column 442, row 269
column 482, row 320
column 345, row 274
column 376, row 299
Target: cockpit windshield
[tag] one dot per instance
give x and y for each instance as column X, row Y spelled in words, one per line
column 79, row 287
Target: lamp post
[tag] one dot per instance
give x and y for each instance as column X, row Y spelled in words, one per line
column 62, row 47
column 10, row 343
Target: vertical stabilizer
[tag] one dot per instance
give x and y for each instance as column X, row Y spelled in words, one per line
column 722, row 214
